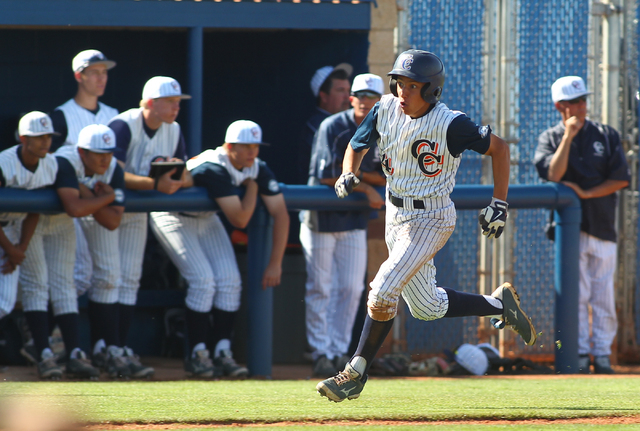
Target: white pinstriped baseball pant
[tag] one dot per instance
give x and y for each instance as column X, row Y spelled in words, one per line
column 101, row 247
column 413, row 238
column 132, row 239
column 200, row 248
column 597, row 266
column 9, row 282
column 336, row 264
column 47, row 270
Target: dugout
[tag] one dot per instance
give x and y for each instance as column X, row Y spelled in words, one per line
column 239, row 59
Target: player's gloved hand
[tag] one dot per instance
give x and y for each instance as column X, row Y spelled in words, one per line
column 493, row 218
column 345, row 184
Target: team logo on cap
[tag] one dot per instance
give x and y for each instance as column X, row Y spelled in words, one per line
column 429, row 161
column 406, row 62
column 255, row 133
column 175, row 86
column 577, row 85
column 44, row 123
column 106, row 139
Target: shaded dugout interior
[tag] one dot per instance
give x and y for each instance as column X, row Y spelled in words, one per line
column 259, row 75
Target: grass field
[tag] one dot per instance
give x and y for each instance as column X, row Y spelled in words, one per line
column 181, row 404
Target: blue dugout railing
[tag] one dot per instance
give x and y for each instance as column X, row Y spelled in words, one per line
column 260, row 302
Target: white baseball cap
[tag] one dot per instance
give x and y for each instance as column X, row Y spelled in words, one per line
column 36, row 123
column 244, row 132
column 162, row 86
column 97, row 138
column 323, row 73
column 568, row 88
column 90, row 57
column 472, row 358
column 368, row 82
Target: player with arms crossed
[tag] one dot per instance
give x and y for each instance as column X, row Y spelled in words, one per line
column 144, row 135
column 47, row 271
column 199, row 245
column 420, row 141
column 98, row 172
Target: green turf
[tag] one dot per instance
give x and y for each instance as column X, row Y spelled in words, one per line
column 391, row 399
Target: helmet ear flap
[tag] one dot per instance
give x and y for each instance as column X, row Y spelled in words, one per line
column 393, row 86
column 424, row 92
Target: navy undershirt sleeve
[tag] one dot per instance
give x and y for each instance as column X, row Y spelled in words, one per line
column 463, row 134
column 123, row 138
column 215, row 179
column 59, row 123
column 265, row 178
column 117, row 182
column 181, row 149
column 66, row 176
column 366, row 135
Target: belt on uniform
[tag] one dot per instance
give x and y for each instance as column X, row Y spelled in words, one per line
column 4, row 223
column 419, row 205
column 187, row 215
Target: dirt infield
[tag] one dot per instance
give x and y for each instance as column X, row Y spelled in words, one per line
column 630, row 420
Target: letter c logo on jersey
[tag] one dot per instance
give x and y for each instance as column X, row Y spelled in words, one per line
column 429, row 161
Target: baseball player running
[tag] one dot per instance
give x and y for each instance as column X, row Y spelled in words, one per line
column 25, row 166
column 335, row 242
column 47, row 270
column 199, row 245
column 97, row 172
column 420, row 142
column 144, row 135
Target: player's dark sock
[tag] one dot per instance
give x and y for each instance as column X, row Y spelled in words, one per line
column 104, row 323
column 223, row 323
column 469, row 304
column 125, row 317
column 69, row 324
column 38, row 322
column 371, row 339
column 197, row 327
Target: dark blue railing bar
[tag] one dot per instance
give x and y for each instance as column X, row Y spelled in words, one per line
column 260, row 303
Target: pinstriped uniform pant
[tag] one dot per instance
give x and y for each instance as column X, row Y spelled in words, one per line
column 597, row 267
column 413, row 238
column 47, row 270
column 132, row 239
column 336, row 264
column 9, row 282
column 200, row 248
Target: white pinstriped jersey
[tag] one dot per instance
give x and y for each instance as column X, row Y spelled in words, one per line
column 219, row 156
column 70, row 152
column 78, row 118
column 143, row 150
column 414, row 152
column 18, row 177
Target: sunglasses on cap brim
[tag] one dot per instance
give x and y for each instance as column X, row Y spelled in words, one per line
column 577, row 100
column 367, row 94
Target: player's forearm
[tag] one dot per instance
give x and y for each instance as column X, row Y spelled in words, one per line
column 109, row 217
column 29, row 225
column 560, row 161
column 501, row 164
column 187, row 179
column 352, row 160
column 605, row 189
column 137, row 182
column 78, row 207
column 280, row 236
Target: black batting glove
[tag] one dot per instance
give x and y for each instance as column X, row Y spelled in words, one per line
column 345, row 184
column 493, row 218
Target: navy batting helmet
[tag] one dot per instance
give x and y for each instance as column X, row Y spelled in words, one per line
column 421, row 66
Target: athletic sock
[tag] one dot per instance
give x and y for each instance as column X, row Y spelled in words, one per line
column 69, row 327
column 197, row 327
column 38, row 322
column 223, row 323
column 371, row 339
column 103, row 319
column 469, row 304
column 125, row 317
